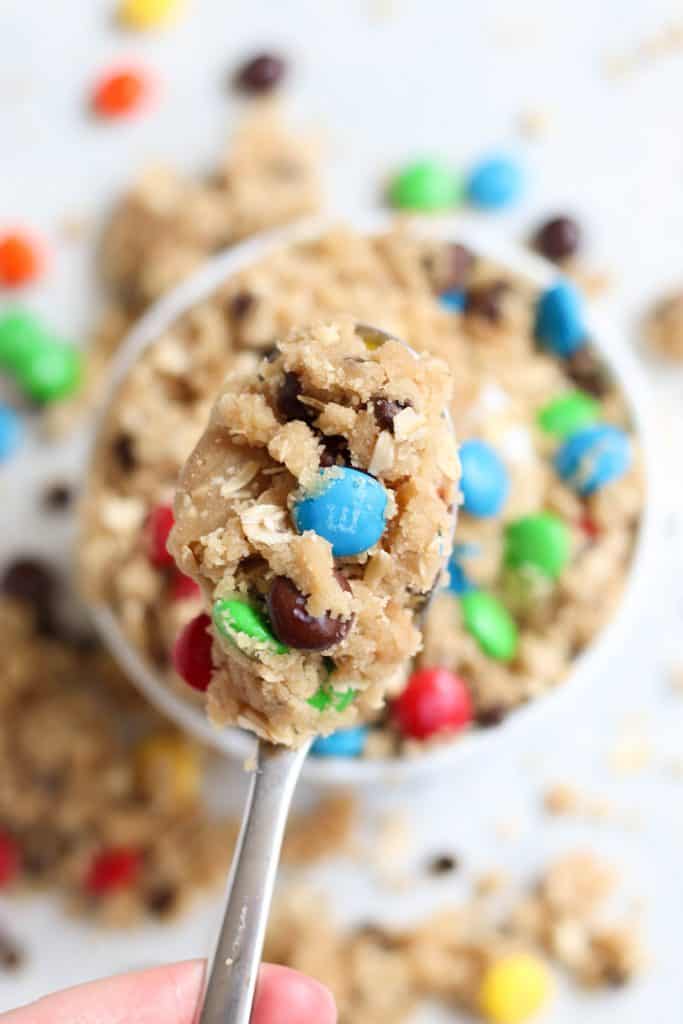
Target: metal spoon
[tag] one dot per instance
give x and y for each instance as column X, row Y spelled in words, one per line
column 232, row 976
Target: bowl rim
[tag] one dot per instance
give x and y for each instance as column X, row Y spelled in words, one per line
column 468, row 230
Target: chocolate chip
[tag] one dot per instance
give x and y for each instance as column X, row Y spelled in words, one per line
column 293, row 625
column 57, row 497
column 241, row 304
column 490, row 716
column 558, row 238
column 385, row 410
column 587, row 371
column 335, row 451
column 375, row 933
column 288, row 400
column 271, row 354
column 442, row 864
column 123, row 450
column 30, row 580
column 486, row 300
column 42, row 850
column 261, row 73
column 460, row 262
column 162, row 899
column 11, row 954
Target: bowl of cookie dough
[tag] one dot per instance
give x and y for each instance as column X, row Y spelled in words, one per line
column 555, row 532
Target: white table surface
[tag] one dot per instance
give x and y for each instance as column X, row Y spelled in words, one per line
column 387, row 81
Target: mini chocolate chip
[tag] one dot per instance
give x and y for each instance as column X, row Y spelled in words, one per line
column 261, row 73
column 443, row 864
column 492, row 715
column 240, row 304
column 460, row 262
column 11, row 954
column 558, row 238
column 486, row 300
column 162, row 898
column 31, row 580
column 385, row 410
column 335, row 449
column 587, row 372
column 293, row 625
column 289, row 403
column 271, row 354
column 616, row 977
column 123, row 450
column 57, row 497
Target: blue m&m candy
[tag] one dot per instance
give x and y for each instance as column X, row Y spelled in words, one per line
column 10, row 432
column 346, row 507
column 560, row 319
column 495, row 182
column 484, row 482
column 594, row 457
column 343, row 743
column 453, row 300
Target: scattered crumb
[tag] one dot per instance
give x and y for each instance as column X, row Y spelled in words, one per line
column 389, row 849
column 632, row 752
column 533, row 123
column 74, row 227
column 250, row 764
column 508, row 828
column 676, row 679
column 229, row 961
column 490, row 882
column 564, row 800
column 666, row 42
column 663, row 326
column 594, row 283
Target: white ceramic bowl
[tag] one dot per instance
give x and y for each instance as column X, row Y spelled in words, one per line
column 587, row 667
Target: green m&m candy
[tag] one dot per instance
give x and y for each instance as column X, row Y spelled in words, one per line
column 21, row 335
column 240, row 622
column 541, row 542
column 53, row 370
column 568, row 413
column 491, row 625
column 426, row 185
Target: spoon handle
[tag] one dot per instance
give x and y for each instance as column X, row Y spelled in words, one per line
column 232, row 978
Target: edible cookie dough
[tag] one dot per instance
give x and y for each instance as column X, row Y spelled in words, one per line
column 316, row 515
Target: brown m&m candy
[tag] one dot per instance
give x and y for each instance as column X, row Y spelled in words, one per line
column 292, row 623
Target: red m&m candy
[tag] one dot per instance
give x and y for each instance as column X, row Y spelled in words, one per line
column 434, row 700
column 183, row 587
column 159, row 525
column 120, row 93
column 192, row 653
column 10, row 858
column 113, row 869
column 20, row 260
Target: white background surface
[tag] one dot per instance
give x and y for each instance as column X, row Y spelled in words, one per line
column 384, row 82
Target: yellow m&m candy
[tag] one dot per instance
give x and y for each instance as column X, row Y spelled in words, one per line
column 145, row 14
column 167, row 766
column 514, row 988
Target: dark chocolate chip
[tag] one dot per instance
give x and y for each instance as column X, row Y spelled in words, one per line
column 443, row 864
column 385, row 410
column 586, row 370
column 123, row 450
column 486, row 300
column 293, row 625
column 261, row 73
column 558, row 238
column 162, row 898
column 241, row 304
column 490, row 716
column 289, row 400
column 335, row 451
column 57, row 497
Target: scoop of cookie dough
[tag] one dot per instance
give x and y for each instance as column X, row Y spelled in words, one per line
column 316, row 515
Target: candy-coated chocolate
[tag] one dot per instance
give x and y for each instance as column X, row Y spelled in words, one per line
column 236, row 619
column 159, row 525
column 485, row 483
column 20, row 261
column 541, row 541
column 294, row 626
column 10, row 858
column 514, row 988
column 490, row 623
column 495, row 183
column 11, row 432
column 119, row 93
column 433, row 701
column 347, row 508
column 343, row 743
column 192, row 653
column 568, row 413
column 147, row 14
column 559, row 324
column 593, row 458
column 426, row 185
column 53, row 372
column 21, row 335
column 113, row 869
column 453, row 300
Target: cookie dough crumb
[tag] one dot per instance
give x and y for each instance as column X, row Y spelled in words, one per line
column 534, row 123
column 632, row 753
column 664, row 326
column 666, row 42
